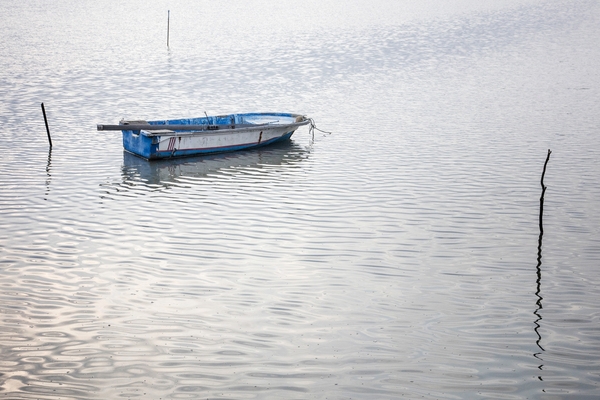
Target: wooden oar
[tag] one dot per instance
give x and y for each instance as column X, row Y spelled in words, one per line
column 148, row 127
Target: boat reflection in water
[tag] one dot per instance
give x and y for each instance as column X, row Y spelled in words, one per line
column 137, row 170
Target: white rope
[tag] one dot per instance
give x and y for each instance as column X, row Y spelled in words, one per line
column 313, row 128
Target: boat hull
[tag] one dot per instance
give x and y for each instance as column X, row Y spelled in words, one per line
column 222, row 134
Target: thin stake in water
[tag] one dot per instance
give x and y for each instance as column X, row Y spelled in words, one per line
column 543, row 192
column 46, row 122
column 539, row 268
column 168, row 20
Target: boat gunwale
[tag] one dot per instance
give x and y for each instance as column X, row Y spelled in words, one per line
column 191, row 130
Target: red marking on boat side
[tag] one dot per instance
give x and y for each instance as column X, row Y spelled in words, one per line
column 171, row 144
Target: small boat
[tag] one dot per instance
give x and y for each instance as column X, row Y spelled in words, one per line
column 205, row 135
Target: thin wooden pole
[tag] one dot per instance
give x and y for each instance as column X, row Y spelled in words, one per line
column 539, row 264
column 543, row 193
column 46, row 122
column 168, row 23
column 544, row 171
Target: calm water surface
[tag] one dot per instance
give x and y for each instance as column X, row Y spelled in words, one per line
column 399, row 256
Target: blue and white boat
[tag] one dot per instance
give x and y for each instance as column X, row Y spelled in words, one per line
column 204, row 135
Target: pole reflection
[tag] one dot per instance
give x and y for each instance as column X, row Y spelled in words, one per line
column 48, row 174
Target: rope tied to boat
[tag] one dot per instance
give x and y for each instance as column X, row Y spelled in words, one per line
column 313, row 127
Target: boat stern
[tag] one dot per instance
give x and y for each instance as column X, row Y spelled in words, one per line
column 140, row 144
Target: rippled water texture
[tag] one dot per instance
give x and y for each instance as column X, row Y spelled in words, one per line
column 399, row 256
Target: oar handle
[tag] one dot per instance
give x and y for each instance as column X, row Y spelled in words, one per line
column 148, row 127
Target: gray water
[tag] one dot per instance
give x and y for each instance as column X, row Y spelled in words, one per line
column 399, row 256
